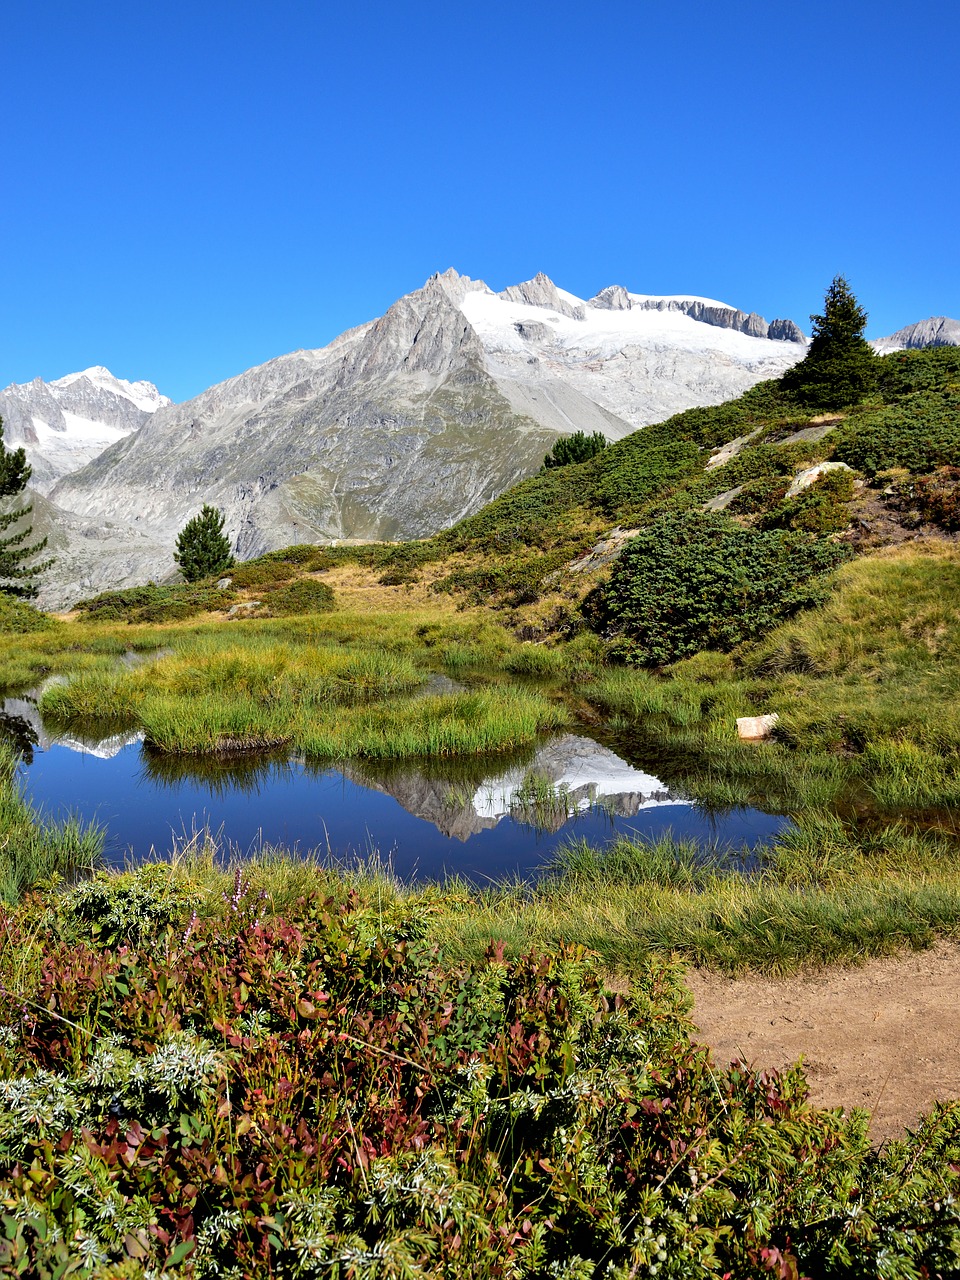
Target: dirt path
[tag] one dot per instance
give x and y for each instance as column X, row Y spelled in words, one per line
column 885, row 1036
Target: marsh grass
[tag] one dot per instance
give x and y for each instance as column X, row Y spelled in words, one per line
column 441, row 725
column 822, row 895
column 34, row 850
column 248, row 692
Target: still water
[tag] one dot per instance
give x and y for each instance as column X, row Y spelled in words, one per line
column 483, row 819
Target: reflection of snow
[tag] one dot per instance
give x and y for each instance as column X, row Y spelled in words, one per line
column 25, row 709
column 582, row 772
column 104, row 748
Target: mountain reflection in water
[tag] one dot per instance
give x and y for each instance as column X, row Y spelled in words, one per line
column 480, row 818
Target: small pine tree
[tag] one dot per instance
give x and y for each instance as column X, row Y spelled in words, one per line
column 17, row 576
column 202, row 550
column 840, row 366
column 576, row 448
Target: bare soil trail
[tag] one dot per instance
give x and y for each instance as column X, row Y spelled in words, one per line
column 885, row 1035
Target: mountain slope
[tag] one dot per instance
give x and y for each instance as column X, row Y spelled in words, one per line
column 64, row 424
column 405, row 425
column 938, row 331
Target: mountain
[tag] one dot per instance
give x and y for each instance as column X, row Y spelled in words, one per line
column 938, row 331
column 573, row 773
column 404, row 425
column 64, row 424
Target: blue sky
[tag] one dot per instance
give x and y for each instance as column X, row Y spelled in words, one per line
column 191, row 189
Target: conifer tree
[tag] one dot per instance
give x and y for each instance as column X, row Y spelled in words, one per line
column 202, row 550
column 18, row 577
column 840, row 365
column 576, row 448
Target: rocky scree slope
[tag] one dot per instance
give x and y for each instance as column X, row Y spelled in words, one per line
column 402, row 426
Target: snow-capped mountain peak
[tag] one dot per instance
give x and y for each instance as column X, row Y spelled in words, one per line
column 66, row 423
column 144, row 395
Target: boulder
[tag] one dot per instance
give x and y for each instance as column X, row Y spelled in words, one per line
column 807, row 477
column 756, row 728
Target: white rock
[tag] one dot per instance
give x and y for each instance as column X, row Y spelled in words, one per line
column 756, row 728
column 806, row 478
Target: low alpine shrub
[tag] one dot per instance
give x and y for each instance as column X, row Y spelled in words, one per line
column 324, row 1096
column 698, row 580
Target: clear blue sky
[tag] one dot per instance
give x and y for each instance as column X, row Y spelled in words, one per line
column 191, row 189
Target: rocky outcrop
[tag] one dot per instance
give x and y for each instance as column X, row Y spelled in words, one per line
column 810, row 475
column 938, row 331
column 613, row 298
column 616, row 298
column 542, row 292
column 709, row 313
column 785, row 331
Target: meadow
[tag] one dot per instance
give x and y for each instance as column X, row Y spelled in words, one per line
column 286, row 1067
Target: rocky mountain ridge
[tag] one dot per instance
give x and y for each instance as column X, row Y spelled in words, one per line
column 938, row 331
column 404, row 425
column 397, row 428
column 66, row 423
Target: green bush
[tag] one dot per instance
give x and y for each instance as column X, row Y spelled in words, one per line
column 153, row 603
column 822, row 508
column 698, row 580
column 301, row 554
column 19, row 618
column 904, row 372
column 920, row 432
column 628, row 477
column 576, row 448
column 513, row 580
column 759, row 495
column 307, row 595
column 254, row 573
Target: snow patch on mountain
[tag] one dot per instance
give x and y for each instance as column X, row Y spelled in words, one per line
column 144, row 395
column 66, row 423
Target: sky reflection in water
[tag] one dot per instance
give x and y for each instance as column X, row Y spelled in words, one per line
column 480, row 819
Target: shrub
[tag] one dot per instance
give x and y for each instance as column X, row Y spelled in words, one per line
column 630, row 476
column 920, row 432
column 153, row 603
column 937, row 497
column 822, row 508
column 514, row 580
column 19, row 618
column 576, row 448
column 698, row 580
column 255, row 573
column 324, row 1096
column 300, row 554
column 304, row 596
column 904, row 372
column 759, row 495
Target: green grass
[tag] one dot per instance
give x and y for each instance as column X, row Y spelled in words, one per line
column 867, row 689
column 223, row 691
column 820, row 897
column 34, row 851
